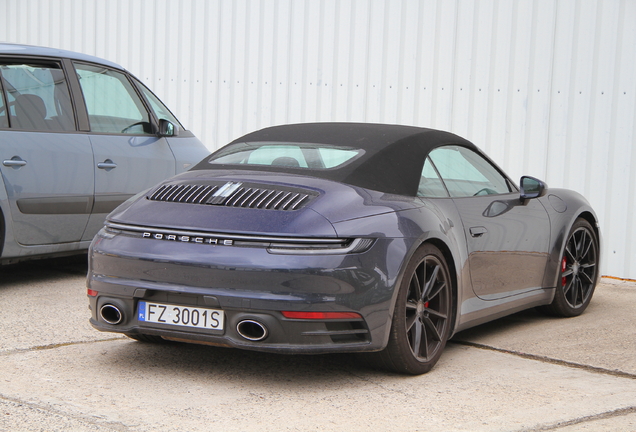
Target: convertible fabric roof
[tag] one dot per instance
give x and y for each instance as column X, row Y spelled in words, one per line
column 392, row 162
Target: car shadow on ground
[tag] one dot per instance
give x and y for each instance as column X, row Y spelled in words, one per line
column 214, row 362
column 39, row 270
column 218, row 363
column 506, row 324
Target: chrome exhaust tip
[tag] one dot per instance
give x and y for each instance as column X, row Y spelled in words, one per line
column 252, row 330
column 111, row 314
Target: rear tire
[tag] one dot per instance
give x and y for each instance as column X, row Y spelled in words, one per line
column 422, row 316
column 578, row 272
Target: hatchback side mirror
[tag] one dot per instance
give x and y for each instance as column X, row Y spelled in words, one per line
column 167, row 129
column 532, row 188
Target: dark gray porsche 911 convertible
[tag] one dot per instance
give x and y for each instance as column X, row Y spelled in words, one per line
column 338, row 237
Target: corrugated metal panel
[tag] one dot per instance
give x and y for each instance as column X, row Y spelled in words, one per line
column 546, row 87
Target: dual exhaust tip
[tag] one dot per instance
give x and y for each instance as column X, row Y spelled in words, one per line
column 111, row 314
column 252, row 330
column 248, row 329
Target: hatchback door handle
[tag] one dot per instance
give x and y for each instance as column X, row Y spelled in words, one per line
column 478, row 231
column 107, row 165
column 15, row 161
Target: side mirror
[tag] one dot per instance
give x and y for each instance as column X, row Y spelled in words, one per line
column 167, row 129
column 532, row 188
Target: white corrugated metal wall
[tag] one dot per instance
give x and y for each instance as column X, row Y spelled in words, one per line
column 547, row 88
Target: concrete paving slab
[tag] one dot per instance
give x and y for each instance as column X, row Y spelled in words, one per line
column 144, row 387
column 19, row 416
column 620, row 421
column 604, row 336
column 44, row 303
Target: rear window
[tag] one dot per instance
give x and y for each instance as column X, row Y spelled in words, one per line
column 288, row 155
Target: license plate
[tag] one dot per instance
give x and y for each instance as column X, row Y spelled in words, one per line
column 185, row 316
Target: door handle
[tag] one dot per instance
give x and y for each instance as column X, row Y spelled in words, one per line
column 15, row 162
column 478, row 231
column 107, row 165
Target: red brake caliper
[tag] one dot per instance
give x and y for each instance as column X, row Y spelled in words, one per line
column 563, row 265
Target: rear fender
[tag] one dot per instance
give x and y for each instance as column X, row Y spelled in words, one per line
column 443, row 234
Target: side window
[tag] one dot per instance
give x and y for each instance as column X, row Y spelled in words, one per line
column 159, row 109
column 111, row 101
column 37, row 97
column 431, row 185
column 466, row 173
column 4, row 123
column 331, row 158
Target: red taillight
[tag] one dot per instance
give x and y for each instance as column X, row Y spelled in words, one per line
column 321, row 315
column 563, row 267
column 91, row 292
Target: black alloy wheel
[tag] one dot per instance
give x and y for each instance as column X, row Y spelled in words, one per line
column 578, row 272
column 422, row 316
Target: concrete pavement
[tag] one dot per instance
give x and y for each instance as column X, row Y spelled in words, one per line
column 526, row 372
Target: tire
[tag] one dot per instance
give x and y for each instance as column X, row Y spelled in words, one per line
column 422, row 316
column 578, row 272
column 146, row 338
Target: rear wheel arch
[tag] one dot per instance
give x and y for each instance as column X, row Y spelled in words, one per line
column 5, row 212
column 452, row 266
column 2, row 232
column 448, row 256
column 422, row 318
column 452, row 269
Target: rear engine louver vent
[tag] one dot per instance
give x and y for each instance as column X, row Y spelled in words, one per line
column 233, row 195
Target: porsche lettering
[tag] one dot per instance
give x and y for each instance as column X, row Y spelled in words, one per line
column 187, row 239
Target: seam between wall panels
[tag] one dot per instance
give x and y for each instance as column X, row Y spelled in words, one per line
column 454, row 65
column 550, row 94
column 555, row 11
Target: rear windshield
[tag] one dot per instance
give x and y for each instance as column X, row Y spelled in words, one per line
column 289, row 155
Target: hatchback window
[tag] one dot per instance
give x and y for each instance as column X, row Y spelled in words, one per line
column 37, row 97
column 111, row 101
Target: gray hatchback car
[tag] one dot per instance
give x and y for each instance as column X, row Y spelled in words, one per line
column 79, row 135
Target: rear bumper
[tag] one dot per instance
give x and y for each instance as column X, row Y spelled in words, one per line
column 283, row 336
column 249, row 283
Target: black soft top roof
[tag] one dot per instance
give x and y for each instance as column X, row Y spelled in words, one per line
column 393, row 154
